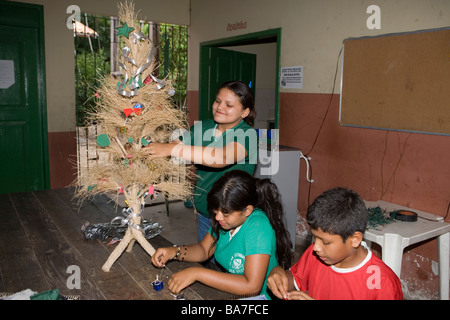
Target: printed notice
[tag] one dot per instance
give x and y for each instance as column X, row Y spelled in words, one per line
column 292, row 77
column 6, row 74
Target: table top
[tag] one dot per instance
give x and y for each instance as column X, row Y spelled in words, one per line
column 427, row 225
column 41, row 238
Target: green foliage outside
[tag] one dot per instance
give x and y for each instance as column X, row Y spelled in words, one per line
column 90, row 68
column 92, row 62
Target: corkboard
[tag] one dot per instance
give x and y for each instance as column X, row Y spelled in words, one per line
column 397, row 82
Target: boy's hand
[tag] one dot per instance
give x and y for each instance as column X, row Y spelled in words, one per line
column 278, row 283
column 298, row 295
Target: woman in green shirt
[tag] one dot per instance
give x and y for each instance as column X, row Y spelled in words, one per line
column 248, row 238
column 226, row 142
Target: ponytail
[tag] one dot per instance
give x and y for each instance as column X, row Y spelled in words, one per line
column 269, row 200
column 235, row 190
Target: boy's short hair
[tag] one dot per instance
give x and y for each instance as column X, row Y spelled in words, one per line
column 338, row 211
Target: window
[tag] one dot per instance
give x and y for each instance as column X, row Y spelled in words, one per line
column 96, row 43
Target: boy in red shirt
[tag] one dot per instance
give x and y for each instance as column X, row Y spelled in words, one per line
column 338, row 265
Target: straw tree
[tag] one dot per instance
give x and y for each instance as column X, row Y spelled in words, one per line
column 133, row 111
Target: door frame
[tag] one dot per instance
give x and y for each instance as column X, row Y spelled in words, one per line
column 21, row 18
column 266, row 36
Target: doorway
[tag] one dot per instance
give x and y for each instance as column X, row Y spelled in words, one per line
column 262, row 44
column 23, row 111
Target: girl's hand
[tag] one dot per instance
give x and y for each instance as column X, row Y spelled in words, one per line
column 161, row 150
column 183, row 279
column 162, row 255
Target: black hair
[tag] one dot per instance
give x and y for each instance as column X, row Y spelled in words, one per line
column 237, row 189
column 246, row 98
column 338, row 211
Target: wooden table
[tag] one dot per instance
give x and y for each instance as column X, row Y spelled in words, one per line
column 41, row 238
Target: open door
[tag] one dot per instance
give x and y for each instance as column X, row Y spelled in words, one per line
column 23, row 121
column 220, row 65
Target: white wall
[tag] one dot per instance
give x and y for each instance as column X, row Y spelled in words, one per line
column 312, row 30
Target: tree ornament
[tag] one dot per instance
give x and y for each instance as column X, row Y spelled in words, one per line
column 127, row 169
column 124, row 30
column 123, row 130
column 103, row 140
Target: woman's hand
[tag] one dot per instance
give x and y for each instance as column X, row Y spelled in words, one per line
column 183, row 279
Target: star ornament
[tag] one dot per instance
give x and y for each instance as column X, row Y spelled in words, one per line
column 124, row 30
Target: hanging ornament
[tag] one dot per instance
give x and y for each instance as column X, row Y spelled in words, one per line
column 145, row 142
column 123, row 130
column 127, row 111
column 137, row 108
column 103, row 140
column 124, row 30
column 148, row 80
column 135, row 82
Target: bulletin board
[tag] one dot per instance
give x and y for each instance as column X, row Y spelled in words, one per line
column 397, row 82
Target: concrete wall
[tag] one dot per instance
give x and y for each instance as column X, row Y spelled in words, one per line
column 60, row 70
column 408, row 169
column 404, row 168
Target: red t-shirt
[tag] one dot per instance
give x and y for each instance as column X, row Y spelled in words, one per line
column 372, row 279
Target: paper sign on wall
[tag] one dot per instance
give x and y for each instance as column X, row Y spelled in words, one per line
column 292, row 77
column 6, row 74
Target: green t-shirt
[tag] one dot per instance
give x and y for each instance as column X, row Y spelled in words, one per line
column 254, row 236
column 202, row 134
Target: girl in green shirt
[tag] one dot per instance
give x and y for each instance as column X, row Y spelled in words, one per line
column 226, row 142
column 248, row 238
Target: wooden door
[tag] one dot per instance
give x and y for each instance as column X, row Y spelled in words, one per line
column 23, row 122
column 220, row 65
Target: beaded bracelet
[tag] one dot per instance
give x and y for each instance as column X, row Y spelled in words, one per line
column 178, row 252
column 176, row 257
column 184, row 255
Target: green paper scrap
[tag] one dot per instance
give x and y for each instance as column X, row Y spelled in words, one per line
column 47, row 295
column 103, row 140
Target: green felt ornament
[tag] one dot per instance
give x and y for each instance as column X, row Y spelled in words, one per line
column 103, row 140
column 144, row 142
column 124, row 30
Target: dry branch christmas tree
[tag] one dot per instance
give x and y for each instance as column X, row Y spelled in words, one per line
column 134, row 110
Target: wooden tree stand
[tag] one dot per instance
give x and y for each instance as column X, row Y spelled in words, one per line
column 131, row 235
